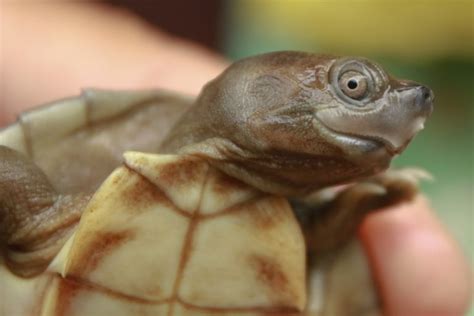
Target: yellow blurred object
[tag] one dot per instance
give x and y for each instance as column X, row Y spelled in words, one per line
column 404, row 28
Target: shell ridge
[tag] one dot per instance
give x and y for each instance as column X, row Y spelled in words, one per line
column 175, row 208
column 137, row 171
column 187, row 246
column 250, row 309
column 106, row 290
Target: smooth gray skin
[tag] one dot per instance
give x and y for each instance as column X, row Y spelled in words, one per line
column 286, row 122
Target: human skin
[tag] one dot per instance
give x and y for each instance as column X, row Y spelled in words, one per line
column 50, row 51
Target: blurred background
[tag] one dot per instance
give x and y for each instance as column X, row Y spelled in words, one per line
column 427, row 41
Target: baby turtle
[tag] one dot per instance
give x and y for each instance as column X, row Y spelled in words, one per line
column 205, row 227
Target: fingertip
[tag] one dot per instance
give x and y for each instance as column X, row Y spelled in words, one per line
column 418, row 267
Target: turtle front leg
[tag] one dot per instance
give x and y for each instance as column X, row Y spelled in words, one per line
column 34, row 219
column 331, row 218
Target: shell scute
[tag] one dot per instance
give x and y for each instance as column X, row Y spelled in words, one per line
column 139, row 252
column 69, row 297
column 65, row 116
column 180, row 178
column 222, row 192
column 142, row 254
column 225, row 248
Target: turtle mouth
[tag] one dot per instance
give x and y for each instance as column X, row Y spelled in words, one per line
column 369, row 143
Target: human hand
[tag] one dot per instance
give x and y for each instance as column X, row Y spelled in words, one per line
column 52, row 50
column 418, row 267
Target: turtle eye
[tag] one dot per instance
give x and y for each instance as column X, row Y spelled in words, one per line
column 354, row 85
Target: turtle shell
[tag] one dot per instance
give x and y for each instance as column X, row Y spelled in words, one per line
column 170, row 235
column 79, row 141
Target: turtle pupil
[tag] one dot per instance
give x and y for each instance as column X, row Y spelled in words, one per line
column 352, row 84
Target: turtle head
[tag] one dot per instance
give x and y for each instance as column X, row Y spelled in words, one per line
column 290, row 122
column 375, row 109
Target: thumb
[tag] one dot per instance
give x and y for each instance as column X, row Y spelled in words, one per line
column 418, row 267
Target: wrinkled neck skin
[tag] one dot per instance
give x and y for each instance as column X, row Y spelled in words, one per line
column 272, row 170
column 281, row 122
column 35, row 221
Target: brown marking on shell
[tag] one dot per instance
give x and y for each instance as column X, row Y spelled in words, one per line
column 224, row 184
column 69, row 287
column 270, row 273
column 100, row 247
column 176, row 174
column 184, row 258
column 263, row 218
column 283, row 312
column 66, row 292
column 142, row 194
column 265, row 311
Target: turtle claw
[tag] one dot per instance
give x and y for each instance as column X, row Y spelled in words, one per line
column 400, row 184
column 336, row 214
column 406, row 175
column 357, row 194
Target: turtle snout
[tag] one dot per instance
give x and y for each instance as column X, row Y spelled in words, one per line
column 424, row 100
column 416, row 97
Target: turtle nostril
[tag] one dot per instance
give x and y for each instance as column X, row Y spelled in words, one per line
column 427, row 94
column 424, row 100
column 420, row 96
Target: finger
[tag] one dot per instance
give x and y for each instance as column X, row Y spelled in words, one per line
column 75, row 45
column 418, row 267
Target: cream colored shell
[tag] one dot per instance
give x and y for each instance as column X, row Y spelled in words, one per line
column 169, row 235
column 79, row 141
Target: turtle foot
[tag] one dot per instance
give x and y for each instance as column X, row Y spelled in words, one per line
column 34, row 219
column 335, row 213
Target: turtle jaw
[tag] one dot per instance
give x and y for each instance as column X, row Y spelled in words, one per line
column 392, row 120
column 357, row 146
